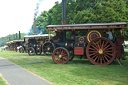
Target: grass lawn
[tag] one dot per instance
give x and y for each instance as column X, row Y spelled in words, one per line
column 2, row 82
column 76, row 72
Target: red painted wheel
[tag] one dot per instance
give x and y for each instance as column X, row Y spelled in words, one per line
column 101, row 51
column 60, row 55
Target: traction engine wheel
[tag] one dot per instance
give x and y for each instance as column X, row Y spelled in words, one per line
column 71, row 55
column 21, row 50
column 60, row 55
column 48, row 48
column 31, row 51
column 38, row 51
column 101, row 51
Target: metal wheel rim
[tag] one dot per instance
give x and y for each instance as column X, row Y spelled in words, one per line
column 21, row 50
column 31, row 51
column 60, row 56
column 38, row 52
column 45, row 48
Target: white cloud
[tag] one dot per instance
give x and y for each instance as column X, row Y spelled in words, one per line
column 17, row 15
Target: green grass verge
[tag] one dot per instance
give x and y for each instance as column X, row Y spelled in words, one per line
column 2, row 82
column 76, row 72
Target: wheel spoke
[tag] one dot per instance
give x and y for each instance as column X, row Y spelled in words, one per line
column 64, row 58
column 107, row 56
column 57, row 52
column 101, row 59
column 92, row 51
column 109, row 48
column 106, row 46
column 107, row 51
column 98, row 45
column 95, row 58
column 98, row 59
column 92, row 54
column 64, row 54
column 94, row 47
column 102, row 45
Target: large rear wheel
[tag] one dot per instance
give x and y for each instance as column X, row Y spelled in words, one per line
column 60, row 55
column 101, row 51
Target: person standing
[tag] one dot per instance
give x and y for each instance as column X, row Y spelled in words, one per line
column 110, row 35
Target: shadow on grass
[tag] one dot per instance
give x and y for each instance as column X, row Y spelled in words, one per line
column 80, row 61
column 31, row 63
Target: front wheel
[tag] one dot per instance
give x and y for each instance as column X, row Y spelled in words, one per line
column 21, row 50
column 31, row 51
column 71, row 55
column 48, row 48
column 101, row 51
column 38, row 52
column 60, row 55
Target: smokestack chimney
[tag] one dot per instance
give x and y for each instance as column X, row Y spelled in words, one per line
column 19, row 35
column 9, row 37
column 34, row 33
column 63, row 11
column 16, row 36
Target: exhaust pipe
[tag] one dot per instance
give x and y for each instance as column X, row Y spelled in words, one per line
column 63, row 11
column 16, row 36
column 34, row 33
column 19, row 35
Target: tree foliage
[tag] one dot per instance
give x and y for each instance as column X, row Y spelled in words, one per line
column 86, row 11
column 11, row 37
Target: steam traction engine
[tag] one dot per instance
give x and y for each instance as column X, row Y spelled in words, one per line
column 88, row 40
column 33, row 44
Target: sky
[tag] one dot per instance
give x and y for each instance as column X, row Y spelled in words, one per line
column 18, row 15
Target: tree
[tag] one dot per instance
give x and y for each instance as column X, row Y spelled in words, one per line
column 85, row 11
